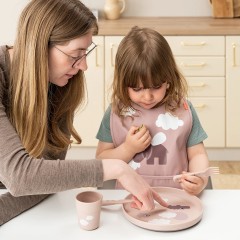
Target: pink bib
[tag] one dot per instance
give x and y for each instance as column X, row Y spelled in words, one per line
column 167, row 153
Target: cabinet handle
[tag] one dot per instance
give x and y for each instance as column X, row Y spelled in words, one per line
column 187, row 44
column 96, row 59
column 202, row 105
column 234, row 54
column 202, row 64
column 112, row 55
column 201, row 84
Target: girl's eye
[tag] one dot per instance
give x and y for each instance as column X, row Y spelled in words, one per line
column 136, row 89
column 157, row 87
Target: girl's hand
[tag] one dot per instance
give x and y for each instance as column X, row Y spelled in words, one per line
column 137, row 140
column 193, row 184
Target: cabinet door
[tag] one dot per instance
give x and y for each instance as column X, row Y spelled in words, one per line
column 197, row 45
column 206, row 86
column 87, row 121
column 201, row 59
column 111, row 46
column 211, row 112
column 233, row 91
column 201, row 66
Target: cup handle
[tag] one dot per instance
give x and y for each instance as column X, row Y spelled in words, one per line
column 113, row 202
column 123, row 5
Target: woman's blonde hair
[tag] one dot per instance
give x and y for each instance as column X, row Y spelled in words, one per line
column 42, row 113
column 144, row 56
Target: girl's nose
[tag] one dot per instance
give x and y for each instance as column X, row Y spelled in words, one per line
column 147, row 94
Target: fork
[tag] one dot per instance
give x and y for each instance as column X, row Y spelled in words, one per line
column 205, row 173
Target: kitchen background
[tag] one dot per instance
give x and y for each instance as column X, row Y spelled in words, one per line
column 10, row 10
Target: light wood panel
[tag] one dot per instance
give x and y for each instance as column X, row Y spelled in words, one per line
column 172, row 25
column 229, row 177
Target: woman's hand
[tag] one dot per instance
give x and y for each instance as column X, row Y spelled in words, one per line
column 132, row 182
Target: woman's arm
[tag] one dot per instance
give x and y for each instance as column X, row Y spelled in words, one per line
column 132, row 182
column 11, row 207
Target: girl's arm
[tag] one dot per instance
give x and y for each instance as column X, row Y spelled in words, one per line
column 198, row 160
column 135, row 142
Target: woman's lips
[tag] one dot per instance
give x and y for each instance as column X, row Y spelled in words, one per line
column 69, row 75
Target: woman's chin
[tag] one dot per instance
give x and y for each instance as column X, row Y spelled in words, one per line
column 61, row 82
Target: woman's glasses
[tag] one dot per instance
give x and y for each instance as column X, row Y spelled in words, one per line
column 77, row 60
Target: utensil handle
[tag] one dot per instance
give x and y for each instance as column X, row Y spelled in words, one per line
column 199, row 174
column 113, row 202
column 177, row 177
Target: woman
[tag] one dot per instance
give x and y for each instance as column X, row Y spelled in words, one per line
column 41, row 85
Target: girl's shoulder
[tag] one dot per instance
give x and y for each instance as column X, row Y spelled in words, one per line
column 189, row 104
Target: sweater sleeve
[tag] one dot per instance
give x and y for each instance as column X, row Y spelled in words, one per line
column 11, row 207
column 26, row 175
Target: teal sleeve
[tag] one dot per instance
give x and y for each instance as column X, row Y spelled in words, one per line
column 197, row 134
column 104, row 131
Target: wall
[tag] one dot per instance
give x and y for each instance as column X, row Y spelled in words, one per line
column 9, row 14
column 159, row 7
column 10, row 11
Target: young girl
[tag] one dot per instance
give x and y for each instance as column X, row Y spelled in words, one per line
column 41, row 85
column 150, row 124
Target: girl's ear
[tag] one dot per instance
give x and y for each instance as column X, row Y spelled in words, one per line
column 168, row 85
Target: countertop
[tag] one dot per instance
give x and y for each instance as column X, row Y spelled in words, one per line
column 56, row 218
column 172, row 25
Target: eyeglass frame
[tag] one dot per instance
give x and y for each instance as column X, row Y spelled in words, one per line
column 76, row 59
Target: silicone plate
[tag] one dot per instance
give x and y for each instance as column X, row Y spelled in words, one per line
column 185, row 210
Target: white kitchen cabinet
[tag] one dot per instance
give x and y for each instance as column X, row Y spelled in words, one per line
column 201, row 59
column 111, row 46
column 233, row 91
column 87, row 121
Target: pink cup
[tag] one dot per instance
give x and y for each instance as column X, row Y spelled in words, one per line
column 88, row 209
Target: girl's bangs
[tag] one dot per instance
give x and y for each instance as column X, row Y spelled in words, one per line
column 144, row 78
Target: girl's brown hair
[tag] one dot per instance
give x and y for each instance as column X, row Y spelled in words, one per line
column 39, row 110
column 144, row 56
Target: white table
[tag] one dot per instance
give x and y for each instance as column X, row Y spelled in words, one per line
column 55, row 218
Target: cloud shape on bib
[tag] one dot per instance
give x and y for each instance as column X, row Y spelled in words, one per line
column 168, row 121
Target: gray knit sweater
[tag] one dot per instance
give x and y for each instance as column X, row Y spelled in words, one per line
column 30, row 180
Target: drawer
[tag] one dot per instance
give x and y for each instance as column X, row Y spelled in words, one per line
column 197, row 45
column 201, row 66
column 211, row 112
column 206, row 86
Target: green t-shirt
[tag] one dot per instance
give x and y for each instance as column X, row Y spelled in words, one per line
column 196, row 136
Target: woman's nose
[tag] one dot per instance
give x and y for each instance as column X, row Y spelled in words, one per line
column 82, row 65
